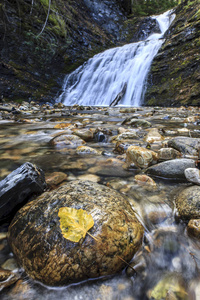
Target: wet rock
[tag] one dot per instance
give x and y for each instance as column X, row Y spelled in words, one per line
column 3, row 235
column 129, row 110
column 188, row 203
column 137, row 265
column 171, row 286
column 144, row 180
column 100, row 137
column 191, row 119
column 66, row 141
column 193, row 175
column 40, row 248
column 7, row 278
column 172, row 168
column 121, row 147
column 111, row 167
column 140, row 156
column 85, row 134
column 157, row 217
column 126, row 135
column 10, row 264
column 186, row 145
column 137, row 122
column 193, row 228
column 18, row 187
column 21, row 291
column 55, row 179
column 90, row 177
column 78, row 165
column 82, row 150
column 101, row 134
column 153, row 136
column 168, row 153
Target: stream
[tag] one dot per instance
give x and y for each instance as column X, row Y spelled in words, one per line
column 169, row 258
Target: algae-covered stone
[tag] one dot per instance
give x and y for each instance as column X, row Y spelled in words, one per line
column 188, row 203
column 40, row 248
column 170, row 283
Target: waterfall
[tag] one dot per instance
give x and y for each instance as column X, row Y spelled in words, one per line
column 101, row 78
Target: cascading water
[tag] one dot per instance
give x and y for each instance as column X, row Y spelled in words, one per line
column 102, row 77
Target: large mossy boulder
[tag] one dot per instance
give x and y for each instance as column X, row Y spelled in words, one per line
column 37, row 241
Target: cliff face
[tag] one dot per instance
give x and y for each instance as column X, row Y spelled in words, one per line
column 174, row 78
column 39, row 45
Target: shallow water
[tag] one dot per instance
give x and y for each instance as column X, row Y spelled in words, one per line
column 167, row 249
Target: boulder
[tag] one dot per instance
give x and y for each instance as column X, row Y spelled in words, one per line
column 188, row 203
column 37, row 241
column 172, row 168
column 18, row 187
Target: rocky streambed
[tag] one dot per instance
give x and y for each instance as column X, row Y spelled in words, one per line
column 135, row 170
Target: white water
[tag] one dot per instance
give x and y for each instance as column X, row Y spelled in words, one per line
column 102, row 77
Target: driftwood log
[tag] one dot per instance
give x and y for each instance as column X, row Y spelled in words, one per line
column 119, row 96
column 17, row 188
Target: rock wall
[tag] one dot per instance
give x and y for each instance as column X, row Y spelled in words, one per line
column 40, row 45
column 174, row 78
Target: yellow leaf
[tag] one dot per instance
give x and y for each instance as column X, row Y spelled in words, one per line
column 74, row 223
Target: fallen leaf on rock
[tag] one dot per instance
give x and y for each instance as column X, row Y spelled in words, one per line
column 74, row 223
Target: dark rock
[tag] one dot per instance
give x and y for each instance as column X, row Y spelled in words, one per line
column 40, row 248
column 18, row 187
column 146, row 27
column 172, row 168
column 100, row 137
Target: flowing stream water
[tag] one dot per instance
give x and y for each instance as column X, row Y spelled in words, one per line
column 169, row 259
column 102, row 77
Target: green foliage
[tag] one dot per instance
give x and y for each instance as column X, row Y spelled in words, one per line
column 150, row 7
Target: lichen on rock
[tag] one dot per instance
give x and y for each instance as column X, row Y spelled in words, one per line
column 40, row 248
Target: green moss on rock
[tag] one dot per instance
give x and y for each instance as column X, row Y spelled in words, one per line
column 175, row 71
